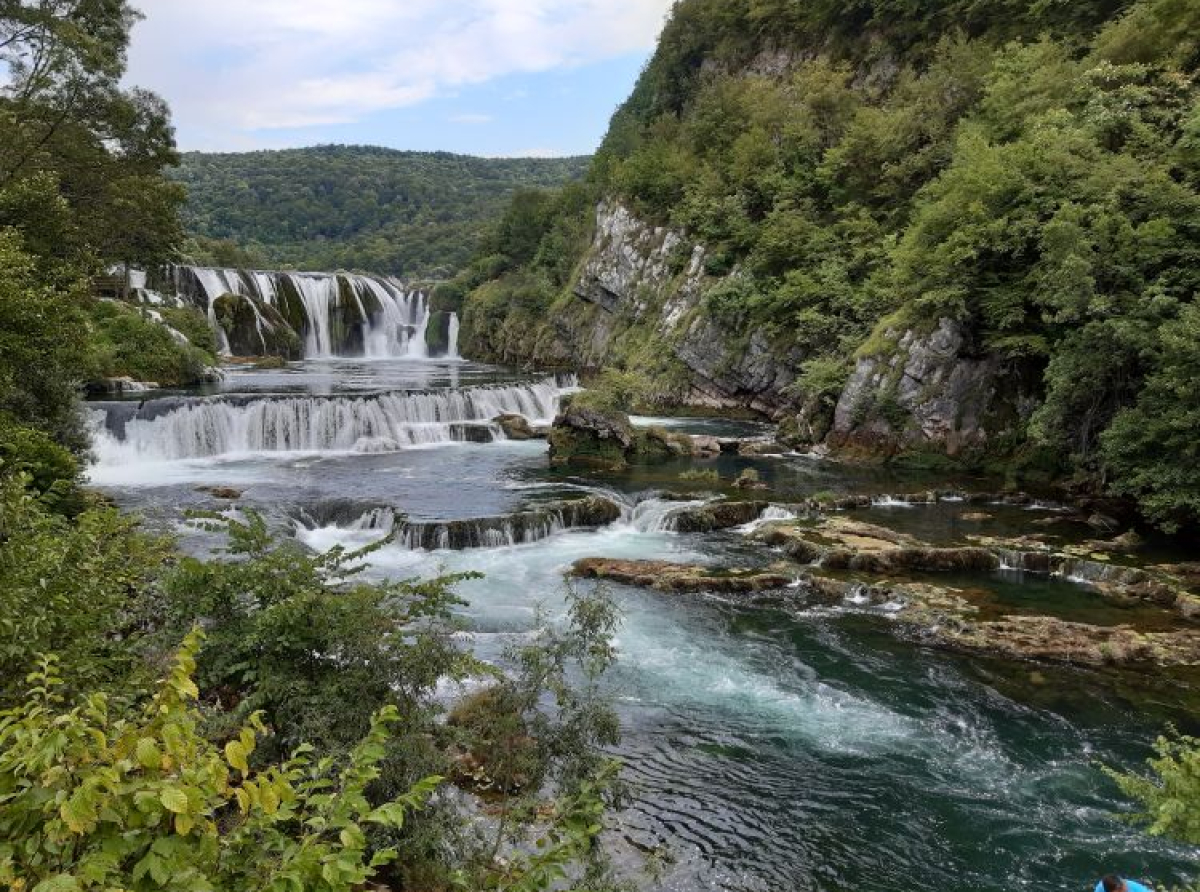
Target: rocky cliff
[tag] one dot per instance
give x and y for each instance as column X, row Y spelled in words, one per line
column 930, row 392
column 642, row 288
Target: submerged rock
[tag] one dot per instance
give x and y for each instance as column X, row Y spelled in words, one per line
column 120, row 385
column 1046, row 639
column 669, row 577
column 221, row 492
column 943, row 617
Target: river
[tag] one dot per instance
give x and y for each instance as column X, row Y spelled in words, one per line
column 765, row 748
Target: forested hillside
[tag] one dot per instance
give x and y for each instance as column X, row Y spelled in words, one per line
column 964, row 230
column 352, row 207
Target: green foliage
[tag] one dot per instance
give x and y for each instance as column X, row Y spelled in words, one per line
column 42, row 336
column 81, row 162
column 1030, row 171
column 1151, row 448
column 823, row 378
column 126, row 343
column 296, row 637
column 612, row 391
column 529, row 745
column 193, row 325
column 148, row 802
column 77, row 588
column 52, row 470
column 1170, row 795
column 353, row 207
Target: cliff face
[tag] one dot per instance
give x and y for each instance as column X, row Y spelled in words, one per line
column 647, row 284
column 928, row 392
column 640, row 282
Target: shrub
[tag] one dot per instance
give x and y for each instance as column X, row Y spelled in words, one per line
column 95, row 800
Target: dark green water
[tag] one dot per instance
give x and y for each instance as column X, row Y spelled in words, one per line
column 765, row 749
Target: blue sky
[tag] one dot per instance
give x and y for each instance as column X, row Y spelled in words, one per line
column 484, row 77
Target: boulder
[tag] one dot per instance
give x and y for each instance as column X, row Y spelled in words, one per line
column 1103, row 523
column 227, row 493
column 656, row 444
column 718, row 516
column 843, row 544
column 706, row 447
column 467, row 432
column 590, row 437
column 120, row 385
column 515, row 427
column 752, row 448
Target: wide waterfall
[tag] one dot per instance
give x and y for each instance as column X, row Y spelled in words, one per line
column 171, row 429
column 332, row 314
column 519, row 528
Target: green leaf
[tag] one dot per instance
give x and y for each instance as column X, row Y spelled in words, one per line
column 148, row 754
column 62, row 883
column 174, row 800
column 235, row 755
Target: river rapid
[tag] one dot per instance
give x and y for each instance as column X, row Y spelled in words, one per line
column 766, row 749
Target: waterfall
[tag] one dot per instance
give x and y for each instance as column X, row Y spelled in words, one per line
column 171, row 430
column 213, row 284
column 452, row 338
column 506, row 531
column 318, row 294
column 342, row 314
column 399, row 329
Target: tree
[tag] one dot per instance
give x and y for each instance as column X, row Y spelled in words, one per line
column 43, row 338
column 1151, row 449
column 69, row 125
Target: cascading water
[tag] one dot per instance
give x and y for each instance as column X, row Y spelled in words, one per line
column 383, row 320
column 402, row 327
column 763, row 750
column 519, row 528
column 168, row 430
column 452, row 338
column 213, row 283
column 318, row 294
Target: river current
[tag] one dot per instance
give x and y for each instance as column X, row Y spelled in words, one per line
column 765, row 750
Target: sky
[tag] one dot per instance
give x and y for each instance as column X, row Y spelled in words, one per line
column 481, row 77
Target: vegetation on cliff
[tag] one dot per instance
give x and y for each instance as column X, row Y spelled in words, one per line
column 411, row 214
column 1027, row 171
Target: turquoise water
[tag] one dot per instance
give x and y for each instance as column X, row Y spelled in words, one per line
column 766, row 749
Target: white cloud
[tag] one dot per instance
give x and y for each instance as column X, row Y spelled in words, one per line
column 245, row 65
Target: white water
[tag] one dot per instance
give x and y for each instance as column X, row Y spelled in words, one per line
column 383, row 423
column 452, row 338
column 773, row 753
column 396, row 319
column 215, row 283
column 318, row 294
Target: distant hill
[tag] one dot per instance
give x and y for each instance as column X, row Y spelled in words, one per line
column 353, row 207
